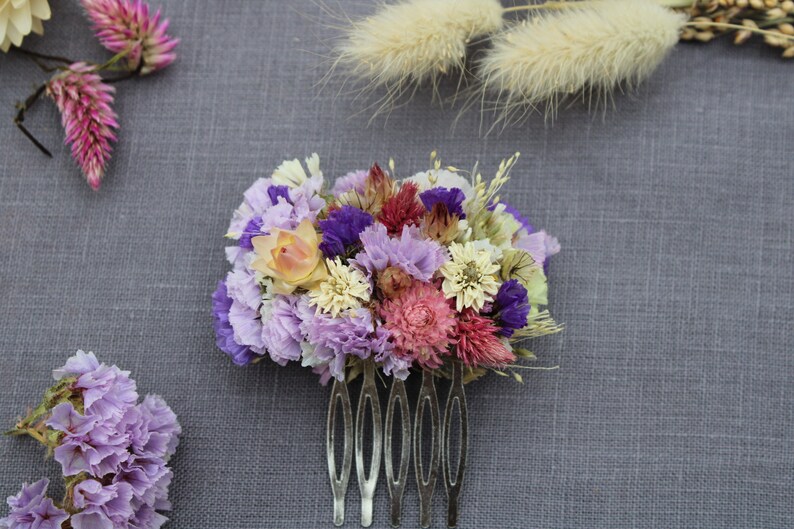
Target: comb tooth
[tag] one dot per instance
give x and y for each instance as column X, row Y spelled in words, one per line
column 429, row 397
column 397, row 397
column 339, row 395
column 367, row 483
column 453, row 486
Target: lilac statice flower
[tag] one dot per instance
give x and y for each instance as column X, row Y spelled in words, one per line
column 162, row 422
column 107, row 390
column 90, row 443
column 281, row 333
column 242, row 287
column 247, row 326
column 452, row 198
column 341, row 230
column 511, row 307
column 333, row 339
column 103, row 506
column 392, row 364
column 31, row 508
column 302, row 202
column 256, row 200
column 355, row 181
column 412, row 252
column 224, row 333
column 540, row 245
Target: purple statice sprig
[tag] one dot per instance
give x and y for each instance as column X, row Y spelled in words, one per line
column 113, row 450
column 137, row 35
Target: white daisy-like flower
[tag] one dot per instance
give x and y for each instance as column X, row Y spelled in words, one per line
column 470, row 276
column 291, row 173
column 441, row 178
column 18, row 18
column 344, row 288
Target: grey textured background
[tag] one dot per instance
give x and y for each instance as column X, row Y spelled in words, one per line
column 673, row 404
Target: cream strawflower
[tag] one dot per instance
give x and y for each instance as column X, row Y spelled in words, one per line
column 344, row 288
column 470, row 276
column 18, row 18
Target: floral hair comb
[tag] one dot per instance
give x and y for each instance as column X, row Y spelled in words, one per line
column 431, row 273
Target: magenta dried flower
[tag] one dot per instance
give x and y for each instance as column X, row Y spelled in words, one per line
column 84, row 102
column 122, row 25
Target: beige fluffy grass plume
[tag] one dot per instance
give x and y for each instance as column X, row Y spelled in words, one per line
column 412, row 43
column 586, row 51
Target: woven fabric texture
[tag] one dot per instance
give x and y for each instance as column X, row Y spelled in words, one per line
column 672, row 404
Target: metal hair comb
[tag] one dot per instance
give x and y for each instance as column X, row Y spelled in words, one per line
column 411, row 441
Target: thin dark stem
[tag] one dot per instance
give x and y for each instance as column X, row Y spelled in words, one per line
column 46, row 57
column 20, row 118
column 128, row 75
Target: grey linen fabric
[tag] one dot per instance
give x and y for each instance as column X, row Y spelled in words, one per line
column 672, row 407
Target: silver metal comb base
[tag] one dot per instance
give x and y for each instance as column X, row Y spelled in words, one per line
column 441, row 455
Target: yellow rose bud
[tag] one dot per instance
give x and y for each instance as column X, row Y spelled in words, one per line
column 292, row 258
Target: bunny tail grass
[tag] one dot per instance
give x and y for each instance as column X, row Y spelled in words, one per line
column 411, row 43
column 586, row 51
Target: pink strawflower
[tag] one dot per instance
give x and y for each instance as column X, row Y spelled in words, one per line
column 122, row 24
column 84, row 102
column 478, row 343
column 420, row 322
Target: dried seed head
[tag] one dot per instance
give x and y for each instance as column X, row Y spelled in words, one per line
column 587, row 51
column 413, row 42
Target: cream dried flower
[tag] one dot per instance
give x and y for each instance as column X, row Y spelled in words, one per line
column 588, row 50
column 344, row 288
column 470, row 276
column 291, row 173
column 413, row 42
column 18, row 18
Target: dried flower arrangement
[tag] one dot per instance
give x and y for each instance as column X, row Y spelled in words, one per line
column 431, row 275
column 137, row 36
column 563, row 49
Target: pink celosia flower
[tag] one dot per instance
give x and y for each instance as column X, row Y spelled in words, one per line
column 84, row 102
column 124, row 24
column 420, row 321
column 478, row 343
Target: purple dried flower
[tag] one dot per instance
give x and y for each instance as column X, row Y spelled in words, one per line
column 30, row 508
column 104, row 506
column 452, row 198
column 252, row 229
column 281, row 332
column 122, row 25
column 341, row 230
column 355, row 181
column 511, row 307
column 412, row 252
column 540, row 245
column 108, row 392
column 84, row 102
column 224, row 333
column 275, row 192
column 352, row 333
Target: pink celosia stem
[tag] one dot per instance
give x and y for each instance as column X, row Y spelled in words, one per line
column 84, row 101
